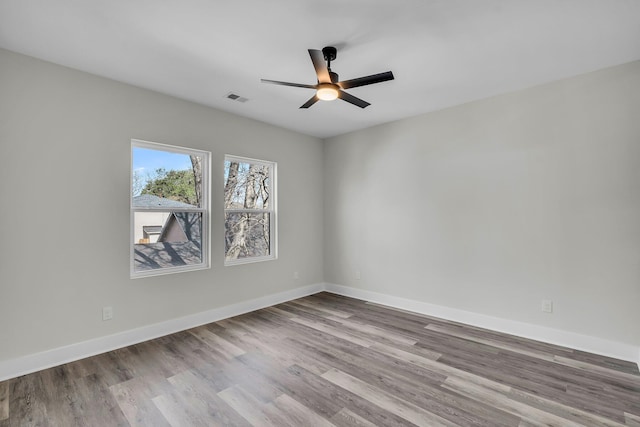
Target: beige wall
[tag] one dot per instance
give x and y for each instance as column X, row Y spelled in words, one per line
column 65, row 141
column 492, row 206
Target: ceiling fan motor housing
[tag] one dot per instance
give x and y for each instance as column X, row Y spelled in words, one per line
column 329, row 53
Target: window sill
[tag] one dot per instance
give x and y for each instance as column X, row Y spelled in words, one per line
column 249, row 260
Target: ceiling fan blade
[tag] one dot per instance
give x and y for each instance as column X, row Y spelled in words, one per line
column 310, row 102
column 362, row 81
column 352, row 99
column 317, row 57
column 275, row 82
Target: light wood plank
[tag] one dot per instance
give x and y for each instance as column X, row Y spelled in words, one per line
column 320, row 308
column 215, row 342
column 490, row 342
column 595, row 368
column 403, row 409
column 632, row 420
column 347, row 418
column 333, row 331
column 4, row 400
column 299, row 415
column 203, row 399
column 248, row 407
column 572, row 414
column 375, row 331
column 424, row 359
column 531, row 415
column 179, row 411
column 134, row 399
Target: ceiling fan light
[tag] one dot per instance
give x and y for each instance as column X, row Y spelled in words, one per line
column 327, row 92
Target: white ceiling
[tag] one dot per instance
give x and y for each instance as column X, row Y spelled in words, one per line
column 442, row 52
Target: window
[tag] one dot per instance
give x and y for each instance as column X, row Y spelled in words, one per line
column 249, row 210
column 169, row 209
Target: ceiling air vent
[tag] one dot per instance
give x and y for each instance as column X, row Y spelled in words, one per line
column 234, row 97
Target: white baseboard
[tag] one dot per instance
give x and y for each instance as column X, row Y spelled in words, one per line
column 35, row 362
column 573, row 340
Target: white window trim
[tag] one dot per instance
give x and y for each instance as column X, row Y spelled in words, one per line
column 273, row 223
column 205, row 209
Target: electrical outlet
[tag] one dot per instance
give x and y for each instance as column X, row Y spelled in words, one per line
column 358, row 276
column 547, row 306
column 107, row 313
column 296, row 275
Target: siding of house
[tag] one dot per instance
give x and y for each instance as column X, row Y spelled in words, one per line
column 143, row 219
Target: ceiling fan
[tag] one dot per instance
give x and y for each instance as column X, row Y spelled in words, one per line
column 328, row 87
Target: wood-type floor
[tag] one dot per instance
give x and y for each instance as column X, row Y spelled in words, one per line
column 327, row 360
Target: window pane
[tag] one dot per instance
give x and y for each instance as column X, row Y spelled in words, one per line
column 249, row 209
column 167, row 175
column 246, row 235
column 247, row 185
column 167, row 239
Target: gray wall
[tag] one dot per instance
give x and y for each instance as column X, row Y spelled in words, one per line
column 487, row 207
column 492, row 206
column 64, row 210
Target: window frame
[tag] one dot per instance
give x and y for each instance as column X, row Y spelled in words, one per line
column 204, row 209
column 272, row 211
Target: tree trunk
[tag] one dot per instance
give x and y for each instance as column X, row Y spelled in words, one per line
column 250, row 195
column 196, row 165
column 230, row 185
column 239, row 241
column 264, row 186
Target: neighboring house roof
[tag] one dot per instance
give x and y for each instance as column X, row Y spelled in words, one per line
column 182, row 226
column 165, row 254
column 151, row 201
column 153, row 229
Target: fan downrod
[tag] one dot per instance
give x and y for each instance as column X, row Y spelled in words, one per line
column 329, row 53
